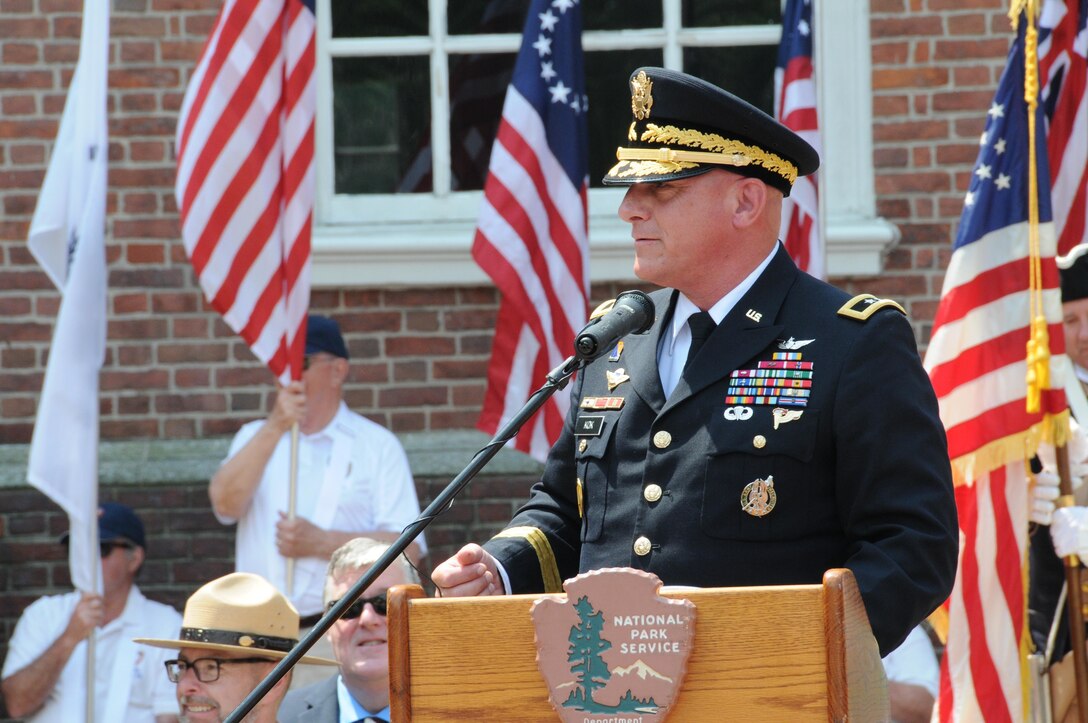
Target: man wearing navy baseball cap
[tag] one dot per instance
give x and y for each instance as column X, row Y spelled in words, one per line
column 353, row 480
column 44, row 676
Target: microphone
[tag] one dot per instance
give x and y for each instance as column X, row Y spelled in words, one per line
column 633, row 313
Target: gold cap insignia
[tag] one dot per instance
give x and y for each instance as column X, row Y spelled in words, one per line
column 641, row 100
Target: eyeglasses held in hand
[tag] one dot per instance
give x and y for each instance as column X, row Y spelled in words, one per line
column 206, row 670
column 356, row 609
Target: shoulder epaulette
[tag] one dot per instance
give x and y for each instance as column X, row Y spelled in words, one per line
column 863, row 306
column 603, row 309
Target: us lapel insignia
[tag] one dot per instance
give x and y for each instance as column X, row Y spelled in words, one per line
column 615, row 378
column 615, row 355
column 782, row 416
column 754, row 315
column 758, row 497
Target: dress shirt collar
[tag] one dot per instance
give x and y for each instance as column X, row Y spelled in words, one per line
column 352, row 710
column 685, row 307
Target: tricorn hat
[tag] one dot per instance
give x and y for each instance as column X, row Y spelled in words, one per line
column 683, row 126
column 239, row 612
column 1073, row 269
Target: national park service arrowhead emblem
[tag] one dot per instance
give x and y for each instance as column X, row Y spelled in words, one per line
column 614, row 649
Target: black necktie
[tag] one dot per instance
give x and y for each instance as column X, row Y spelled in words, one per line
column 371, row 719
column 701, row 326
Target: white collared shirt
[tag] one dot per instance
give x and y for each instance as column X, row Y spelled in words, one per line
column 673, row 352
column 353, row 475
column 352, row 710
column 117, row 659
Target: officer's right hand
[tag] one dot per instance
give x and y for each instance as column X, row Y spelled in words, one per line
column 89, row 614
column 290, row 407
column 471, row 572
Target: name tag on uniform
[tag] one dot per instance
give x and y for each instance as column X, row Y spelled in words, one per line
column 588, row 426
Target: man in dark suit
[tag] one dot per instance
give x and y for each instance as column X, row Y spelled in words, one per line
column 766, row 428
column 359, row 641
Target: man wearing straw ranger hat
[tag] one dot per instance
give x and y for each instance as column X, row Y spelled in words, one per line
column 235, row 629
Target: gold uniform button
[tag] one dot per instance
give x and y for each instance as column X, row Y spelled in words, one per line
column 662, row 439
column 652, row 493
column 642, row 546
column 759, row 441
column 582, row 445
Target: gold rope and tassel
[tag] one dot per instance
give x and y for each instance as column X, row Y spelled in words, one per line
column 1038, row 346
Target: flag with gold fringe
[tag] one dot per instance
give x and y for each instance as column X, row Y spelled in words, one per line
column 997, row 360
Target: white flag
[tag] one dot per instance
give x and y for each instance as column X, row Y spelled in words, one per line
column 67, row 238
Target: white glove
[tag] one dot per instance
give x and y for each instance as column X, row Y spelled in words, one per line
column 1043, row 494
column 1069, row 531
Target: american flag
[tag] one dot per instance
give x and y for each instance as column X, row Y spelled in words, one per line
column 1063, row 70
column 976, row 361
column 795, row 107
column 245, row 183
column 531, row 236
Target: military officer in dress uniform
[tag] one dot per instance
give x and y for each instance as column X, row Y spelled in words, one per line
column 766, row 428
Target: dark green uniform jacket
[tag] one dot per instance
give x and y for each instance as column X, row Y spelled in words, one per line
column 861, row 476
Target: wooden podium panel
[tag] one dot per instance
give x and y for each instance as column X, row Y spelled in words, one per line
column 788, row 653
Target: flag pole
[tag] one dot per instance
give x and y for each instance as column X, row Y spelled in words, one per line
column 1074, row 607
column 292, row 497
column 1038, row 349
column 90, row 677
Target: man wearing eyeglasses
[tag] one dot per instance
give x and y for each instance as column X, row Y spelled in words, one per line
column 45, row 678
column 353, row 479
column 234, row 631
column 359, row 642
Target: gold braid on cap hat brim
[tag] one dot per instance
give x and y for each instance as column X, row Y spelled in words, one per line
column 718, row 150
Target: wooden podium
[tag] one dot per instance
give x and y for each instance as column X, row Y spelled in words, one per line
column 786, row 653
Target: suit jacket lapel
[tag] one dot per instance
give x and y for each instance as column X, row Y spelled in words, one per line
column 640, row 352
column 745, row 331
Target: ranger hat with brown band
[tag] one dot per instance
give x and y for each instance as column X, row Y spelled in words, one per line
column 239, row 612
column 683, row 126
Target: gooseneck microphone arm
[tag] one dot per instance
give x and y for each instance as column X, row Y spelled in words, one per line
column 633, row 312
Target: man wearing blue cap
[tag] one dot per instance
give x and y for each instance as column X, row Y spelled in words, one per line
column 767, row 427
column 353, row 480
column 44, row 676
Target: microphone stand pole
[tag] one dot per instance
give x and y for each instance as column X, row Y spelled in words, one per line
column 557, row 379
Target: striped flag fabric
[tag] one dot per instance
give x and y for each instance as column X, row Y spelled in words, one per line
column 245, row 181
column 976, row 362
column 1063, row 70
column 531, row 235
column 67, row 237
column 795, row 108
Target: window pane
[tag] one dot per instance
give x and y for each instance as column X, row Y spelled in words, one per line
column 708, row 13
column 747, row 72
column 610, row 103
column 471, row 17
column 382, row 123
column 618, row 14
column 477, row 90
column 378, row 18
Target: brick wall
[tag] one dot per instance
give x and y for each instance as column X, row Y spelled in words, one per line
column 186, row 546
column 936, row 64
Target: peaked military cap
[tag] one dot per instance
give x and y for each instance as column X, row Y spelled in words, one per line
column 684, row 126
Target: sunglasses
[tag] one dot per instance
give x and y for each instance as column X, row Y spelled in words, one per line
column 356, row 609
column 311, row 359
column 107, row 548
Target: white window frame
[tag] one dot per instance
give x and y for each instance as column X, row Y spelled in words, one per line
column 385, row 240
